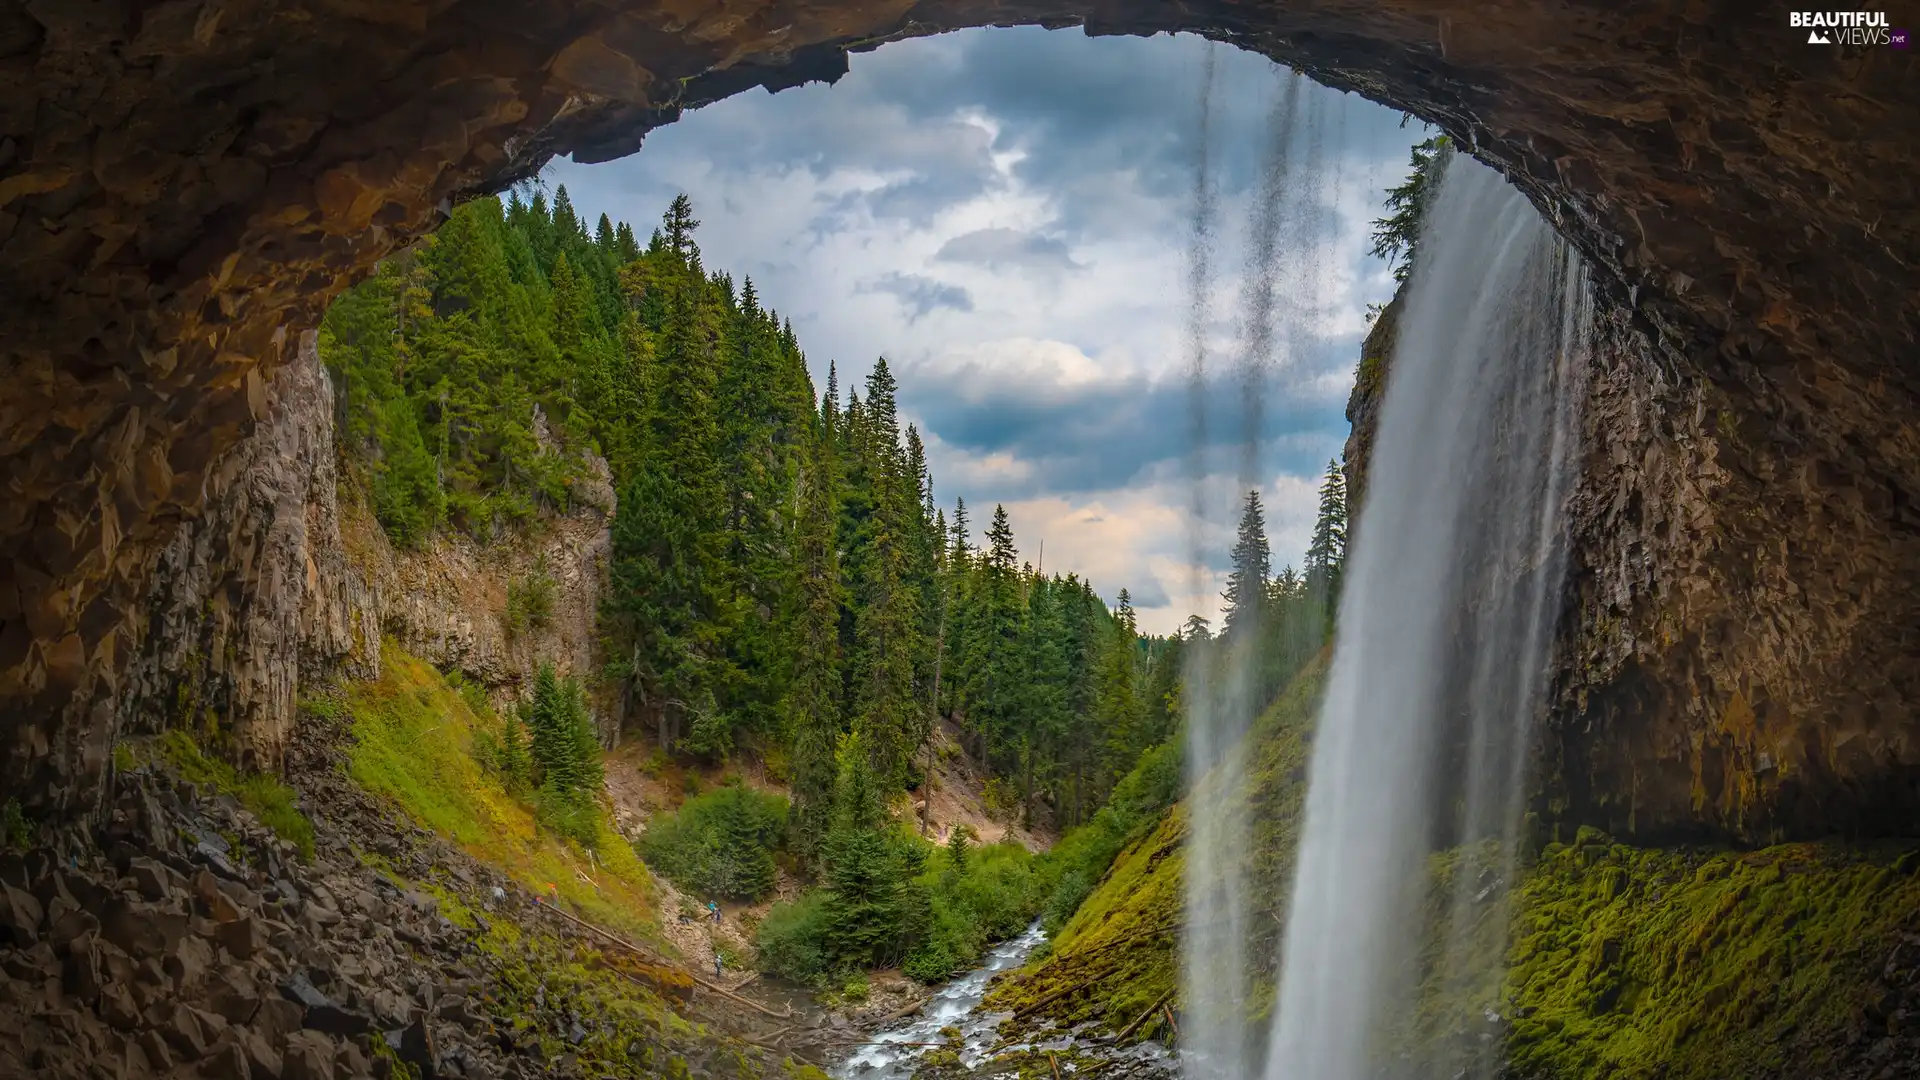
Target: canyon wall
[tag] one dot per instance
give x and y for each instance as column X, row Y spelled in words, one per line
column 286, row 583
column 1738, row 651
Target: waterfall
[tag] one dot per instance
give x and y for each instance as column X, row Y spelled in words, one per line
column 1445, row 622
column 1280, row 290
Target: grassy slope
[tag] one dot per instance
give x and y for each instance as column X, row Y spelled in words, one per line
column 1116, row 955
column 414, row 737
column 270, row 800
column 1625, row 962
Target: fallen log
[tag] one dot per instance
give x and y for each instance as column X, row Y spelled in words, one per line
column 905, row 1011
column 1151, row 1009
column 637, row 951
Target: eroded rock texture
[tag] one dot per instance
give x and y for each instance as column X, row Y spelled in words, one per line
column 181, row 180
column 257, row 595
column 1742, row 648
column 285, row 581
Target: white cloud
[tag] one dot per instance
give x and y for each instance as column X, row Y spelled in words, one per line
column 1003, row 214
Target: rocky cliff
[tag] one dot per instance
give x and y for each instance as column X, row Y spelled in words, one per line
column 287, row 582
column 1737, row 654
column 1741, row 649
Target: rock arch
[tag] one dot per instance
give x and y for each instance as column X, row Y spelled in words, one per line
column 185, row 183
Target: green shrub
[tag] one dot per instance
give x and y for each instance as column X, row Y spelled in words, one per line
column 984, row 896
column 16, row 833
column 530, row 599
column 793, row 939
column 890, row 897
column 719, row 844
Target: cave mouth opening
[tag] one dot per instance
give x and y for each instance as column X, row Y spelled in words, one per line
column 178, row 196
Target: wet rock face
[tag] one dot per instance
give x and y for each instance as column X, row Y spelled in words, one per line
column 1736, row 650
column 1740, row 652
column 181, row 181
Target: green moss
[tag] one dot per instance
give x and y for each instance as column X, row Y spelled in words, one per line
column 1690, row 964
column 1366, row 381
column 270, row 800
column 413, row 745
column 1117, row 955
column 396, row 1068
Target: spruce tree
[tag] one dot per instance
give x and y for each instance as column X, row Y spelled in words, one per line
column 812, row 703
column 887, row 624
column 1327, row 550
column 1396, row 236
column 869, row 896
column 665, row 603
column 1246, row 592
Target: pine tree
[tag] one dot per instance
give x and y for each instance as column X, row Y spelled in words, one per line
column 666, row 601
column 1117, row 714
column 1327, row 550
column 551, row 742
column 1246, row 592
column 866, row 875
column 995, row 674
column 1396, row 235
column 677, row 227
column 812, row 704
column 887, row 624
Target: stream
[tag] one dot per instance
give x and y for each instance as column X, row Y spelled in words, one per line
column 955, row 1005
column 891, row 1055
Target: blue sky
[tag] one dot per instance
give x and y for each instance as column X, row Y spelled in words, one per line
column 1004, row 214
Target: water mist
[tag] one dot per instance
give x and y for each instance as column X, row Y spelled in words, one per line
column 1284, row 227
column 1445, row 624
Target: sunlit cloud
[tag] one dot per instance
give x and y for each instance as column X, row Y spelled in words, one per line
column 1003, row 215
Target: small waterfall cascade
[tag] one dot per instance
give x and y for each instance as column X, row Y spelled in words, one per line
column 1445, row 626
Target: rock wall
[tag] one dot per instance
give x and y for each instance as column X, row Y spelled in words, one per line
column 1741, row 650
column 447, row 604
column 1363, row 405
column 1739, row 653
column 257, row 596
column 287, row 582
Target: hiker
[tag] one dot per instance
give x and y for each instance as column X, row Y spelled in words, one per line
column 716, row 963
column 713, row 909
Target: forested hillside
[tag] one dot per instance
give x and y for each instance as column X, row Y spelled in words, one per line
column 781, row 571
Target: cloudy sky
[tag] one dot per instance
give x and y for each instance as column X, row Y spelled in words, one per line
column 1006, row 216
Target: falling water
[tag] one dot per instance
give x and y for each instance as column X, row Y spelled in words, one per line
column 1445, row 624
column 1282, row 241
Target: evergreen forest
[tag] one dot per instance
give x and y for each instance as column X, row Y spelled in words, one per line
column 783, row 581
